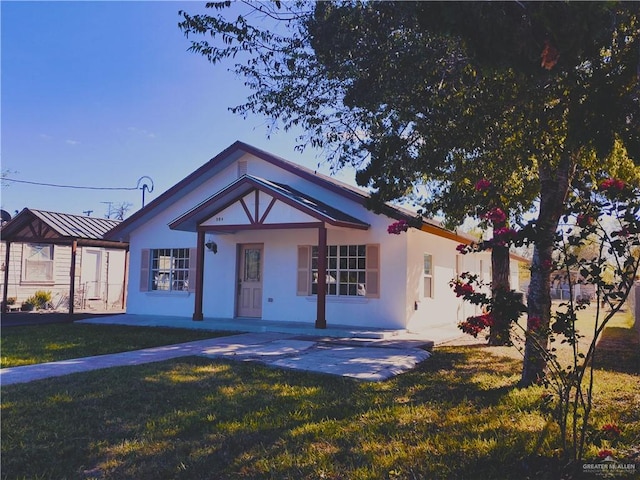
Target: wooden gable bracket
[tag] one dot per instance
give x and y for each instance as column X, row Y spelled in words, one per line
column 254, row 218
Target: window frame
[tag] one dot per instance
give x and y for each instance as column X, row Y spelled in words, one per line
column 427, row 275
column 346, row 270
column 178, row 269
column 26, row 277
column 348, row 265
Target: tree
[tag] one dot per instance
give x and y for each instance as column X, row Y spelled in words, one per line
column 435, row 93
column 303, row 80
column 119, row 210
column 606, row 217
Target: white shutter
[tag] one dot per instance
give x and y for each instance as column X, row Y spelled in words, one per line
column 372, row 273
column 304, row 271
column 144, row 269
column 193, row 255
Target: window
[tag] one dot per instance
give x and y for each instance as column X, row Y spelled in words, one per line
column 352, row 270
column 459, row 265
column 428, row 276
column 346, row 272
column 170, row 269
column 37, row 263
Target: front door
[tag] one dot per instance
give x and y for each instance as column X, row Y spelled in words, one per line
column 250, row 281
column 91, row 260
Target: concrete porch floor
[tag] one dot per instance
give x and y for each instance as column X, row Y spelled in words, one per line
column 436, row 335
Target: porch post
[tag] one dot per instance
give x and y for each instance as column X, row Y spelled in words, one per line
column 5, row 287
column 124, row 280
column 197, row 311
column 72, row 275
column 321, row 321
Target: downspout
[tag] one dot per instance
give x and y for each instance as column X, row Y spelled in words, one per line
column 72, row 274
column 5, row 287
column 124, row 280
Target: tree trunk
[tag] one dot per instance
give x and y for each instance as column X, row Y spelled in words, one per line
column 554, row 185
column 499, row 332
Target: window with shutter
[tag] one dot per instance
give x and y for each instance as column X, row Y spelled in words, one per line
column 168, row 269
column 352, row 270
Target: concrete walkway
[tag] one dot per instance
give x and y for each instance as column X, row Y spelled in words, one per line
column 363, row 354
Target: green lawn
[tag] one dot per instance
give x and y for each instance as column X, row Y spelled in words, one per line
column 47, row 343
column 458, row 416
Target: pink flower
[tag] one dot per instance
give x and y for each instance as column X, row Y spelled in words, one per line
column 502, row 236
column 583, row 220
column 482, row 185
column 611, row 429
column 462, row 248
column 534, row 323
column 462, row 289
column 614, row 184
column 549, row 56
column 622, row 233
column 398, row 227
column 495, row 215
column 604, row 453
column 474, row 325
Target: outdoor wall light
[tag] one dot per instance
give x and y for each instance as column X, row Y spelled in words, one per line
column 212, row 246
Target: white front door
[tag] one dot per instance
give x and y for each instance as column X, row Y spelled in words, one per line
column 250, row 281
column 91, row 273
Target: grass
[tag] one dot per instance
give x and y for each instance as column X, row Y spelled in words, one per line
column 618, row 347
column 458, row 416
column 28, row 345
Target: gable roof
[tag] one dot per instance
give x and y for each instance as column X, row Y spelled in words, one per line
column 41, row 226
column 247, row 184
column 214, row 166
column 238, row 149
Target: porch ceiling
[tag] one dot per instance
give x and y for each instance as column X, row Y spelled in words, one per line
column 234, row 193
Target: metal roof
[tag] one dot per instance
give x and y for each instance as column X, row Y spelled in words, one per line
column 32, row 225
column 69, row 225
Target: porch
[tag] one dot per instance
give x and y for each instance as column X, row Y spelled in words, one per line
column 436, row 335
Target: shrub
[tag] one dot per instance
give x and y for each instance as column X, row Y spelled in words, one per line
column 27, row 305
column 39, row 300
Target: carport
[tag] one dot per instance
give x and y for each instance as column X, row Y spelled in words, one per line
column 52, row 228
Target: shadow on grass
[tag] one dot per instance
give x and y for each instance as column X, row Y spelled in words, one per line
column 456, row 416
column 618, row 350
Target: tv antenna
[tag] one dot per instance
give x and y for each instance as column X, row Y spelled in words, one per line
column 145, row 183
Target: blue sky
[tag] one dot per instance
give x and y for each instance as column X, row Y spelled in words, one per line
column 103, row 93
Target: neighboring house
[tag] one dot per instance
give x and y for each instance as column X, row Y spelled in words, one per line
column 249, row 234
column 564, row 285
column 47, row 249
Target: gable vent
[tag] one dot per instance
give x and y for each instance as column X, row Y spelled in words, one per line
column 242, row 168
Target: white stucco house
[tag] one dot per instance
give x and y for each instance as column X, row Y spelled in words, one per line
column 248, row 234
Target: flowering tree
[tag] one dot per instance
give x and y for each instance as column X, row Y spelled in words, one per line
column 608, row 218
column 504, row 306
column 493, row 215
